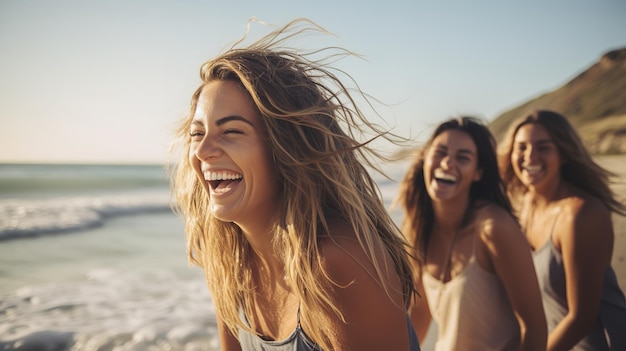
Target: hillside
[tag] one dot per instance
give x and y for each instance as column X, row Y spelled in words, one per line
column 594, row 101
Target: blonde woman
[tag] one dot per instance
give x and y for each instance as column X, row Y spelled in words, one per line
column 473, row 268
column 280, row 211
column 566, row 206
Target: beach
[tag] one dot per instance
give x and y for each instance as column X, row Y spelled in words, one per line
column 92, row 258
column 617, row 165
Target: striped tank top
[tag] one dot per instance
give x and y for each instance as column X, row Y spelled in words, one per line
column 299, row 341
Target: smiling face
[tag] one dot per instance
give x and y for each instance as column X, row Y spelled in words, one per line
column 535, row 158
column 450, row 166
column 231, row 156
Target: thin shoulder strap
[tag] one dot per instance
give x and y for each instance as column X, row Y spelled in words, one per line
column 556, row 218
column 476, row 234
column 298, row 325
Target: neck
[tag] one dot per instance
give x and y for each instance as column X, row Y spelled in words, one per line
column 269, row 268
column 264, row 255
column 542, row 196
column 449, row 216
column 259, row 231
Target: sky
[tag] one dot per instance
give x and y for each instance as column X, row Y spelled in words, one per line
column 88, row 81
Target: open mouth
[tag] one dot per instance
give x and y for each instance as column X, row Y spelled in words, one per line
column 222, row 180
column 533, row 169
column 443, row 178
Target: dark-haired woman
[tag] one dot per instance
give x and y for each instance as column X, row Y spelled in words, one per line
column 473, row 266
column 565, row 211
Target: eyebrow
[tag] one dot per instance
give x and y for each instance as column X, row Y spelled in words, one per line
column 544, row 141
column 225, row 120
column 538, row 142
column 461, row 151
column 466, row 151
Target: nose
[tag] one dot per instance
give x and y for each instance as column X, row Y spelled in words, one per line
column 531, row 154
column 207, row 149
column 447, row 161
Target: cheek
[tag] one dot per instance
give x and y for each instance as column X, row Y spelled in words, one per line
column 193, row 160
column 426, row 170
column 557, row 162
column 429, row 161
column 266, row 160
column 516, row 159
column 191, row 152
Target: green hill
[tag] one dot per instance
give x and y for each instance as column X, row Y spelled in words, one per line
column 594, row 101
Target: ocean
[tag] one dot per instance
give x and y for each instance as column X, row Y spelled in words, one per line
column 92, row 258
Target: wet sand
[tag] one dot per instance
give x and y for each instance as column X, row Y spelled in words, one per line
column 617, row 165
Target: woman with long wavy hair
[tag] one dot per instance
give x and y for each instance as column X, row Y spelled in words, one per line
column 565, row 204
column 280, row 211
column 472, row 265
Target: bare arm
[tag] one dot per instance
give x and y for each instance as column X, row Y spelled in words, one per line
column 375, row 319
column 510, row 255
column 227, row 340
column 585, row 237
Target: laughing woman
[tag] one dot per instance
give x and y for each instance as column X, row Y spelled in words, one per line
column 566, row 206
column 280, row 210
column 473, row 266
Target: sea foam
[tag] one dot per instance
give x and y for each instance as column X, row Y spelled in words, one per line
column 112, row 309
column 20, row 218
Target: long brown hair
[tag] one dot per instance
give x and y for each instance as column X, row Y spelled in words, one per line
column 578, row 167
column 418, row 219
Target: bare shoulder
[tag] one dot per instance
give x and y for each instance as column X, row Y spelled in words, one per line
column 584, row 216
column 499, row 233
column 582, row 206
column 343, row 256
column 505, row 249
column 584, row 235
column 495, row 220
column 360, row 291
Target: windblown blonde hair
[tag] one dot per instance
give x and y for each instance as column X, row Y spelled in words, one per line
column 578, row 167
column 322, row 169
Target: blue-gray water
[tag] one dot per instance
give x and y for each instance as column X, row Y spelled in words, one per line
column 92, row 258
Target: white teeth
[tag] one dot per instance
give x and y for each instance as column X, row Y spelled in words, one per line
column 441, row 175
column 533, row 168
column 221, row 176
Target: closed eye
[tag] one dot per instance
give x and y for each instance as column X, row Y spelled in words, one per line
column 233, row 131
column 196, row 135
column 440, row 152
column 544, row 148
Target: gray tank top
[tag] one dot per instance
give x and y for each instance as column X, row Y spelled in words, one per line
column 609, row 332
column 299, row 341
